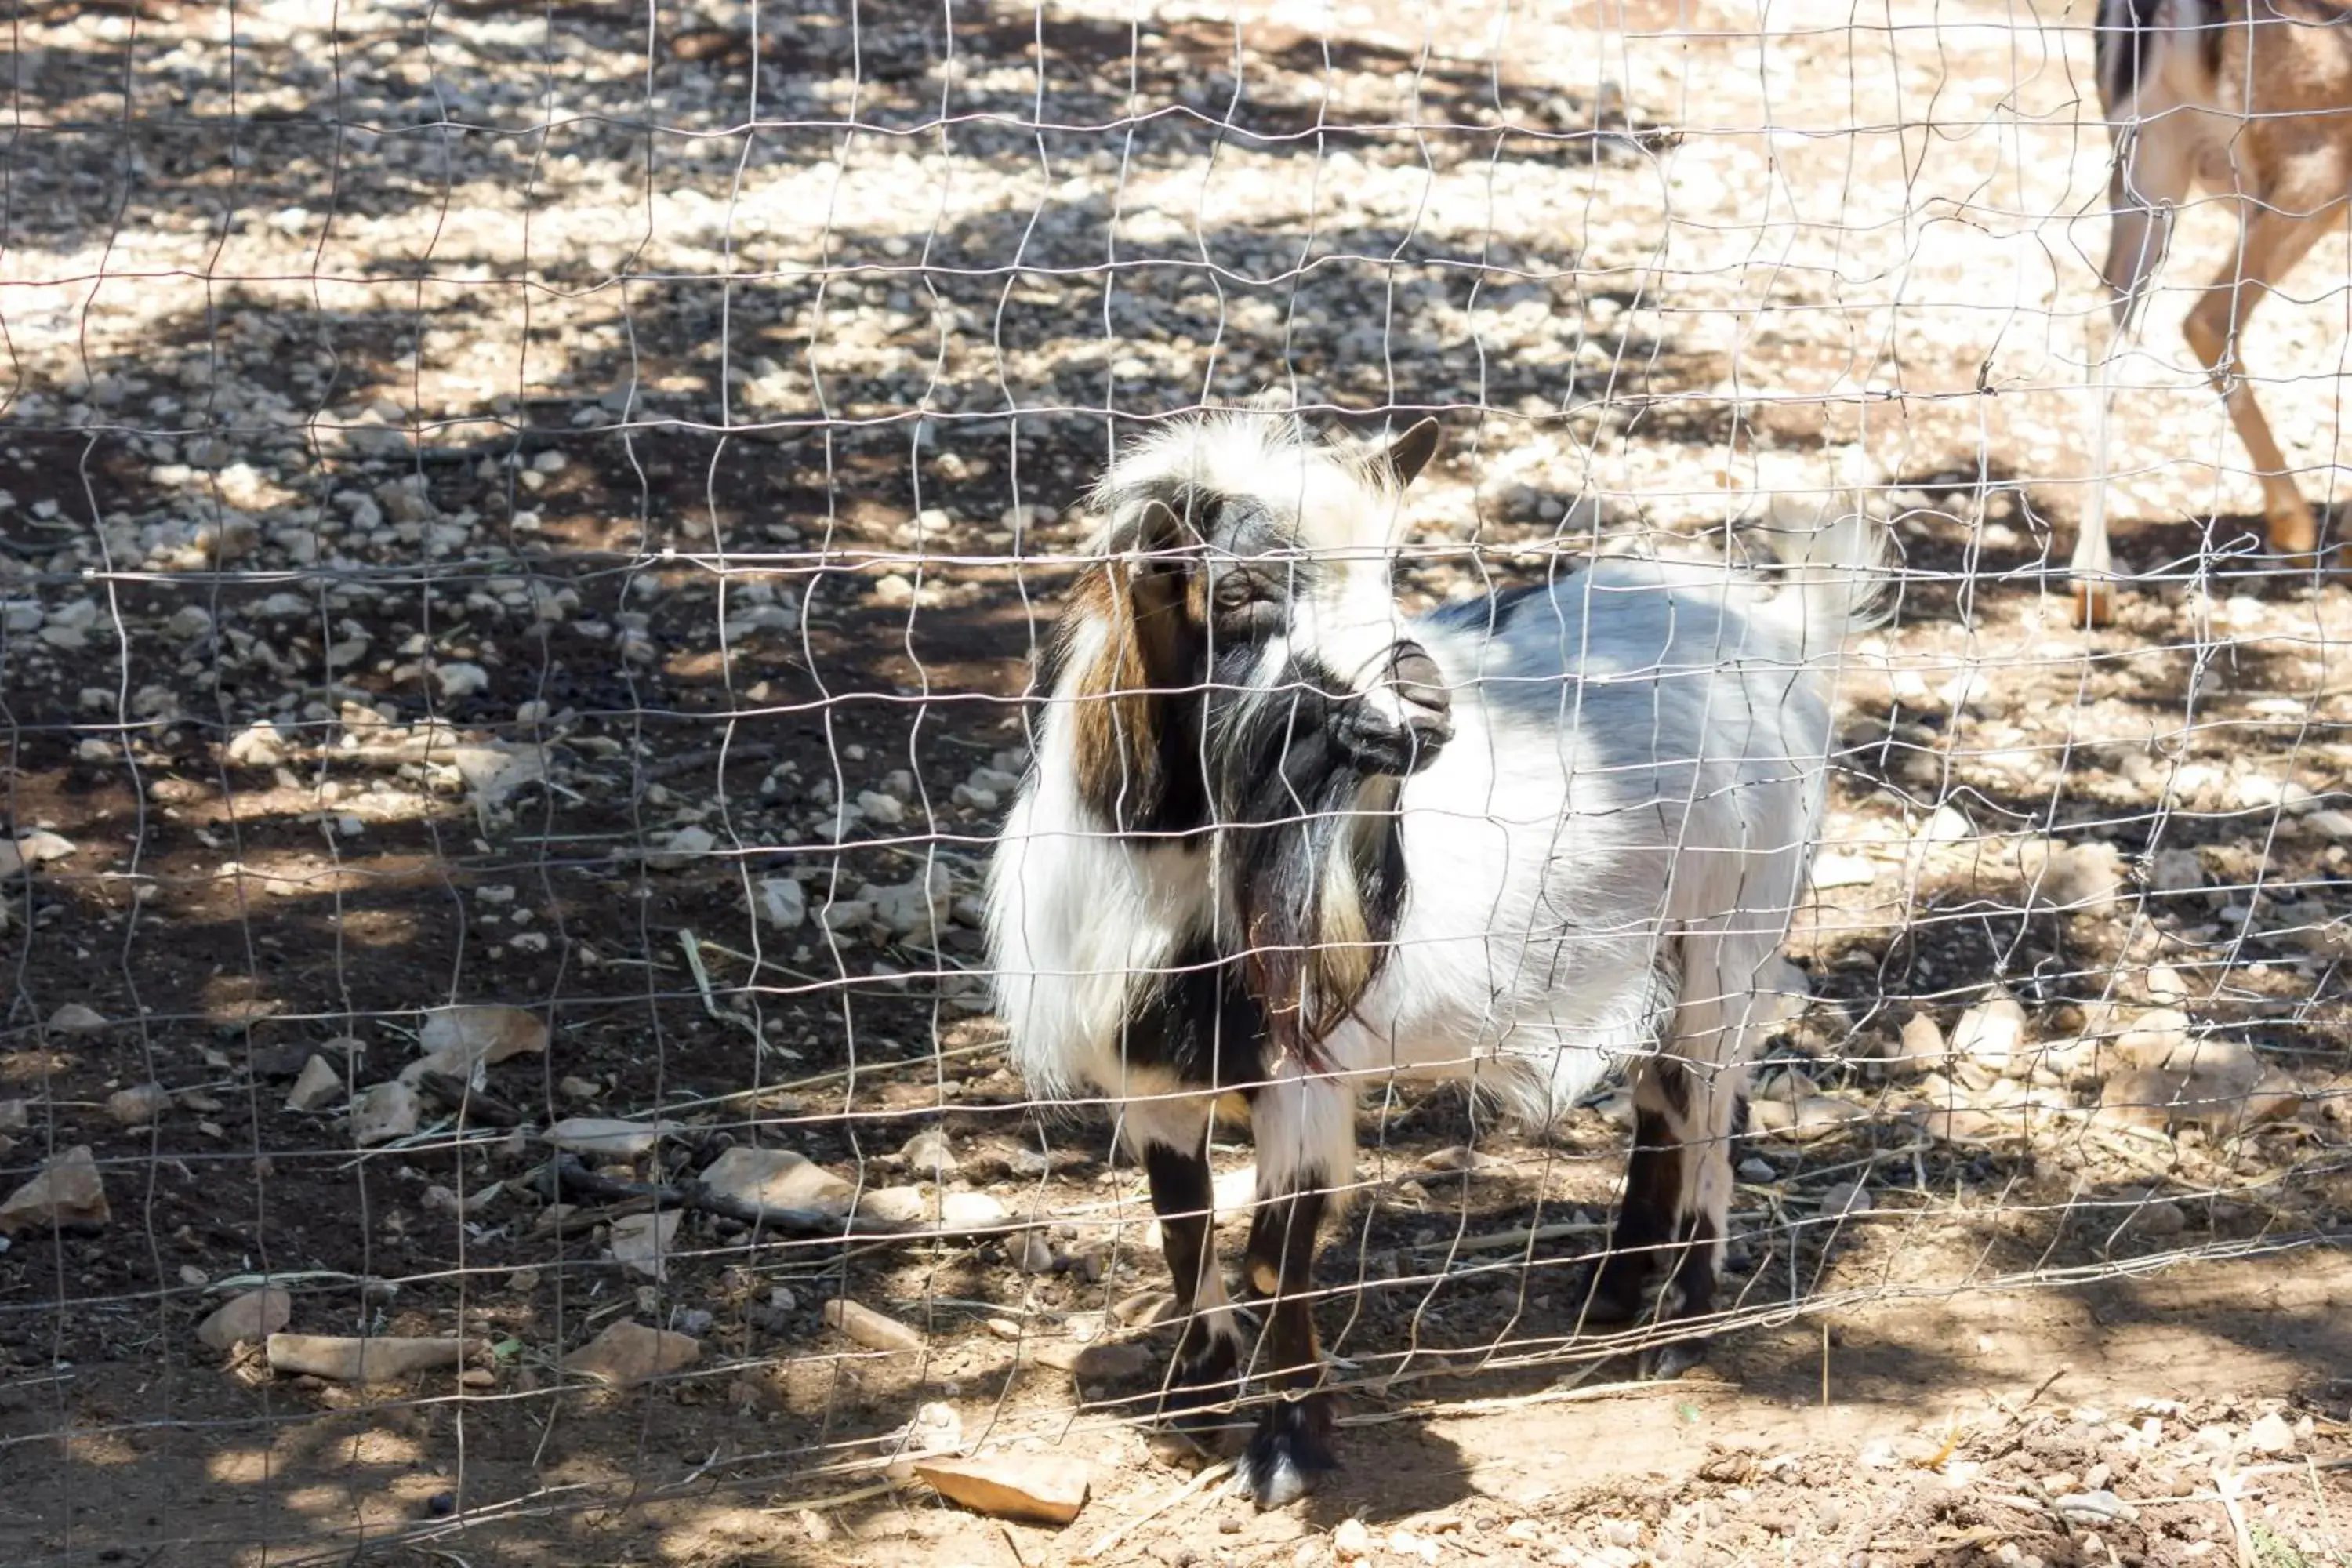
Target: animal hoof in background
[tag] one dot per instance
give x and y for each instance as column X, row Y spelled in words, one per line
column 1288, row 1454
column 1663, row 1364
column 2294, row 532
column 2095, row 604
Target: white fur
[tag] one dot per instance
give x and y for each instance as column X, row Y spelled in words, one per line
column 1618, row 830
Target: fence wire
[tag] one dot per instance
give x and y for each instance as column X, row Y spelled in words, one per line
column 525, row 535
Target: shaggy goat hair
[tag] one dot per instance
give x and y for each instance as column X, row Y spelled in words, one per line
column 1281, row 839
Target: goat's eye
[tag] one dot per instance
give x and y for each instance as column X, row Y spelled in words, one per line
column 1244, row 605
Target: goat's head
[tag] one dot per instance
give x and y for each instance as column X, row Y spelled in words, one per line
column 1240, row 631
column 1237, row 662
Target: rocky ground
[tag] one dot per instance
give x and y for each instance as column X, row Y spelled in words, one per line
column 522, row 538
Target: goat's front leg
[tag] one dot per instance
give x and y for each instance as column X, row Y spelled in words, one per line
column 1306, row 1141
column 1172, row 1139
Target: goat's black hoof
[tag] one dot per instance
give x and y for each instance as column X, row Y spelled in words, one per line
column 1290, row 1452
column 1663, row 1364
column 1618, row 1295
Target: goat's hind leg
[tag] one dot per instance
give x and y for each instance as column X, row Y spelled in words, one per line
column 1170, row 1137
column 1676, row 1215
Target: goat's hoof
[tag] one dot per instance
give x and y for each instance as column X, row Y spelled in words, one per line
column 2095, row 604
column 1663, row 1364
column 1290, row 1452
column 1617, row 1296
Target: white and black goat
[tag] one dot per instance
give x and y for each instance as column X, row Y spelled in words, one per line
column 1280, row 839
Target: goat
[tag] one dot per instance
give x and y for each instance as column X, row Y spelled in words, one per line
column 2249, row 99
column 1277, row 838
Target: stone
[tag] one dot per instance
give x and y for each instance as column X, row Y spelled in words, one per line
column 1756, row 1172
column 2270, row 1435
column 629, row 1354
column 1846, row 1197
column 461, row 679
column 607, row 1137
column 382, row 1114
column 2166, row 985
column 74, row 1019
column 1036, row 1488
column 1831, row 869
column 880, row 809
column 894, row 1205
column 252, row 1317
column 32, row 850
column 782, row 903
column 1351, row 1542
column 778, row 1178
column 1992, row 1034
column 345, row 1359
column 458, row 1040
column 972, row 1211
column 1820, row 1113
column 869, row 1328
column 641, row 1241
column 1922, row 1044
column 318, row 1085
column 2172, row 871
column 2150, row 1040
column 139, row 1106
column 257, row 746
column 2159, row 1099
column 68, row 1192
column 682, row 849
column 927, row 1153
column 911, row 908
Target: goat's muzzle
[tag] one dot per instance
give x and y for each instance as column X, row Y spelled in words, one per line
column 1400, row 723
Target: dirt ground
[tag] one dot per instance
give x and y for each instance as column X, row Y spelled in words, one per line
column 552, row 507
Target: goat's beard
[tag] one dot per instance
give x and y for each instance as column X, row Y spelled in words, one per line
column 1312, row 864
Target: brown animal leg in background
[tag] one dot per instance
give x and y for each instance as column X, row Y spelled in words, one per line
column 1292, row 1444
column 2271, row 243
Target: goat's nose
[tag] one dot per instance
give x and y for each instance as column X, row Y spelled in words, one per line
column 1418, row 681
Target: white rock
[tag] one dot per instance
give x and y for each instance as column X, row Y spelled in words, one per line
column 1991, row 1033
column 461, row 678
column 461, row 1040
column 641, row 1242
column 33, row 850
column 778, row 1178
column 2270, row 1435
column 1838, row 870
column 257, row 746
column 629, row 1354
column 320, row 1085
column 607, row 1137
column 75, row 1018
column 682, row 849
column 68, row 1192
column 882, row 810
column 382, row 1114
column 251, row 1316
column 139, row 1106
column 910, row 908
column 782, row 903
column 846, row 914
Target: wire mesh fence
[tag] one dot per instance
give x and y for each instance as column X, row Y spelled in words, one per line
column 525, row 535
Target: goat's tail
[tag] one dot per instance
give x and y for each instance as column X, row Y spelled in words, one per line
column 1836, row 561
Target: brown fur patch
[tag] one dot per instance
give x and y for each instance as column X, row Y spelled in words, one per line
column 1122, row 697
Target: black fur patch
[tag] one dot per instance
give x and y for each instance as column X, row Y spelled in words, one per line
column 1199, row 1024
column 1646, row 1221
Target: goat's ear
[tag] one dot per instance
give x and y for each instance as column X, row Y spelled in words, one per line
column 1405, row 457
